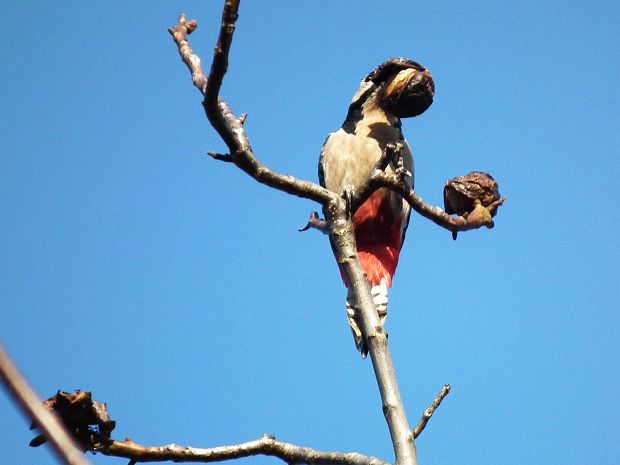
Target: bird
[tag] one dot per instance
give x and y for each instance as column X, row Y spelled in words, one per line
column 398, row 88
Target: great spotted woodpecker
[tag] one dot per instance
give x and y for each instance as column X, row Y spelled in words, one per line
column 398, row 88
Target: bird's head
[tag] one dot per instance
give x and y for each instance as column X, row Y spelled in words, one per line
column 406, row 88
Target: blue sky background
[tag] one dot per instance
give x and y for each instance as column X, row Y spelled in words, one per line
column 180, row 292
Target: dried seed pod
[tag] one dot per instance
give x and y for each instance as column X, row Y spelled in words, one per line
column 461, row 193
column 83, row 417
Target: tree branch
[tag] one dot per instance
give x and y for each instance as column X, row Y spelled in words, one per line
column 428, row 413
column 90, row 423
column 192, row 61
column 231, row 128
column 221, row 116
column 481, row 216
column 314, row 222
column 266, row 445
column 62, row 443
column 343, row 239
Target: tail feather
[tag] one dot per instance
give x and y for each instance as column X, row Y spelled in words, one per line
column 380, row 298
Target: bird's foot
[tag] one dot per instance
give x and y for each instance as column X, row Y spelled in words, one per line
column 397, row 161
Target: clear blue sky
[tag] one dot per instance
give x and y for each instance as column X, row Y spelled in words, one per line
column 180, row 292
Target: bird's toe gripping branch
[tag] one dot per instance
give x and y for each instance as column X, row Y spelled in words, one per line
column 394, row 155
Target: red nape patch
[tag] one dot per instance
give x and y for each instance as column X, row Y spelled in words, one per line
column 378, row 236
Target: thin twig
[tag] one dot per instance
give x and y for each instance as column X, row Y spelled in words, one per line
column 428, row 413
column 192, row 61
column 62, row 443
column 266, row 445
column 314, row 222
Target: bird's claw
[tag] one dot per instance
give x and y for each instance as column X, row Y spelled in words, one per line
column 397, row 160
column 394, row 152
column 402, row 172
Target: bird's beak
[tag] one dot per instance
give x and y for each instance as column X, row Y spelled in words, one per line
column 410, row 92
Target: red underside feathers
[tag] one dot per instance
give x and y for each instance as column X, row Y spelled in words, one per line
column 378, row 236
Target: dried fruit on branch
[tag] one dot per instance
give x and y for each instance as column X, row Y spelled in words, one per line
column 460, row 193
column 474, row 196
column 87, row 420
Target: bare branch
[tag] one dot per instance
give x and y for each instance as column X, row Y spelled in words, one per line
column 219, row 65
column 428, row 413
column 343, row 241
column 266, row 445
column 221, row 117
column 480, row 217
column 315, row 222
column 192, row 61
column 62, row 443
column 221, row 156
